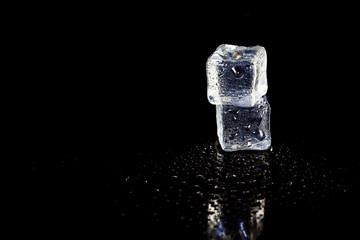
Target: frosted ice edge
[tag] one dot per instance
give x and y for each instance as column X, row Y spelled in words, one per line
column 236, row 75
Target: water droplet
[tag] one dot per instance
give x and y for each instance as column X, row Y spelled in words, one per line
column 238, row 71
column 232, row 136
column 258, row 134
column 200, row 176
column 247, row 127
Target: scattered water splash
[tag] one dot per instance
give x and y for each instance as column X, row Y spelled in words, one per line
column 220, row 195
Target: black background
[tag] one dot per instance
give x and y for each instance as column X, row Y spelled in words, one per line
column 124, row 80
column 136, row 75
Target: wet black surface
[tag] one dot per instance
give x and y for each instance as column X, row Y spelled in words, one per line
column 195, row 192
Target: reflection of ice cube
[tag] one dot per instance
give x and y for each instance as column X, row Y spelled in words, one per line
column 238, row 212
column 236, row 75
column 241, row 128
column 247, row 226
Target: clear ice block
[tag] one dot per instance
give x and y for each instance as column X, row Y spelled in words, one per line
column 241, row 128
column 236, row 75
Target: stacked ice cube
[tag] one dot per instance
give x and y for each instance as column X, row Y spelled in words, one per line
column 237, row 84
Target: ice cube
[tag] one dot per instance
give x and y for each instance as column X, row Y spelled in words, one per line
column 236, row 75
column 241, row 128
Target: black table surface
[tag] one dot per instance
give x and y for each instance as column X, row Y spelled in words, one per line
column 194, row 192
column 112, row 111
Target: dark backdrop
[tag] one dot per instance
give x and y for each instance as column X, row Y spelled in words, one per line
column 134, row 77
column 125, row 80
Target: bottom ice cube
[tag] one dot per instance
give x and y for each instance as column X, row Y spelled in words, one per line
column 242, row 128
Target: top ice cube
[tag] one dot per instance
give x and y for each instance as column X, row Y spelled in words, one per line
column 236, row 75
